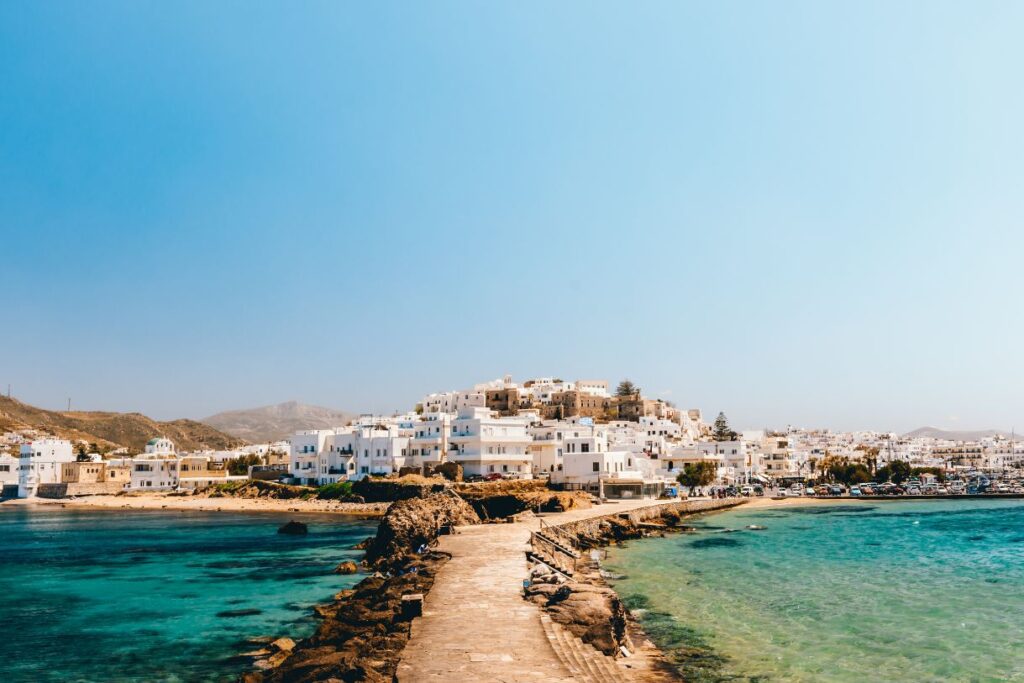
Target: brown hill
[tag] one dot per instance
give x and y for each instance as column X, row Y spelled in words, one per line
column 131, row 430
column 273, row 423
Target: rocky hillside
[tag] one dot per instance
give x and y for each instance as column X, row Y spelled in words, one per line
column 273, row 423
column 131, row 430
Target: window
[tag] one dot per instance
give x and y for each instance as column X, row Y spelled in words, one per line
column 597, row 467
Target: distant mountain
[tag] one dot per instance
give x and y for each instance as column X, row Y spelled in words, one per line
column 936, row 433
column 273, row 423
column 130, row 430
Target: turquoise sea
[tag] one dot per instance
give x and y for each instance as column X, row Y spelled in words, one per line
column 866, row 591
column 158, row 596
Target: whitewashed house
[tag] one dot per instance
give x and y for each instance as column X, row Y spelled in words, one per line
column 612, row 474
column 484, row 443
column 160, row 446
column 40, row 463
column 740, row 461
column 360, row 450
column 154, row 472
column 429, row 441
column 305, row 451
column 8, row 470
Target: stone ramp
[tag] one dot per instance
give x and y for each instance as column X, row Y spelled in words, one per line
column 476, row 627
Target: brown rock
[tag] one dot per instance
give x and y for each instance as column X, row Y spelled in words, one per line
column 283, row 644
column 346, row 567
column 410, row 524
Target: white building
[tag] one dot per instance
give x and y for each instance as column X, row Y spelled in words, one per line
column 357, row 451
column 429, row 440
column 305, row 449
column 8, row 470
column 154, row 472
column 452, row 402
column 613, row 474
column 160, row 446
column 593, row 387
column 740, row 462
column 777, row 458
column 40, row 463
column 484, row 443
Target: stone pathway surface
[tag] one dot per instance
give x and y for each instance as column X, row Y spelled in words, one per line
column 476, row 627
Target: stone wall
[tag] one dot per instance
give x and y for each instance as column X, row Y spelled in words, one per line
column 103, row 488
column 683, row 507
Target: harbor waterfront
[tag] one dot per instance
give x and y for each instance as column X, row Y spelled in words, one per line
column 95, row 595
column 842, row 591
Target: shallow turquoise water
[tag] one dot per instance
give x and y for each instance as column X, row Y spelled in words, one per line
column 148, row 596
column 901, row 591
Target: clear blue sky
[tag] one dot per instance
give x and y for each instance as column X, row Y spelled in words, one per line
column 806, row 213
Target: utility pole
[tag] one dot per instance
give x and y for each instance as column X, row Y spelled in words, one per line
column 69, row 404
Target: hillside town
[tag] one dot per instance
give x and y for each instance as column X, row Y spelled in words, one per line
column 577, row 435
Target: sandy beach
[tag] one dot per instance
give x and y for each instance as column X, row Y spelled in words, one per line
column 160, row 501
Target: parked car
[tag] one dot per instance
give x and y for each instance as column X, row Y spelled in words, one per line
column 855, row 491
column 747, row 491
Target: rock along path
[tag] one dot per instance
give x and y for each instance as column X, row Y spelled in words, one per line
column 476, row 626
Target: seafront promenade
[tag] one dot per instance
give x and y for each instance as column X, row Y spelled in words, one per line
column 476, row 626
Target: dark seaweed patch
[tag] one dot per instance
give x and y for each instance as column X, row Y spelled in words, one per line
column 232, row 613
column 833, row 510
column 715, row 542
column 686, row 648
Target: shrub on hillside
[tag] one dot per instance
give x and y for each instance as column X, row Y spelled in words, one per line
column 337, row 491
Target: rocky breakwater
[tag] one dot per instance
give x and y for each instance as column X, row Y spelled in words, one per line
column 495, row 500
column 570, row 587
column 365, row 629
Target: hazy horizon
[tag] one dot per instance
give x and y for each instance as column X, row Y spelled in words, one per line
column 800, row 214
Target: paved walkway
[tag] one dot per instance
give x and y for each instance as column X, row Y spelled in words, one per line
column 476, row 627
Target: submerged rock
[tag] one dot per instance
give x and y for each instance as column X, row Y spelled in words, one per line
column 293, row 528
column 346, row 567
column 231, row 613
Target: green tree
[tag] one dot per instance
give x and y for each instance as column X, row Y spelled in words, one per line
column 869, row 456
column 721, row 431
column 240, row 465
column 83, row 453
column 897, row 472
column 626, row 388
column 696, row 474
